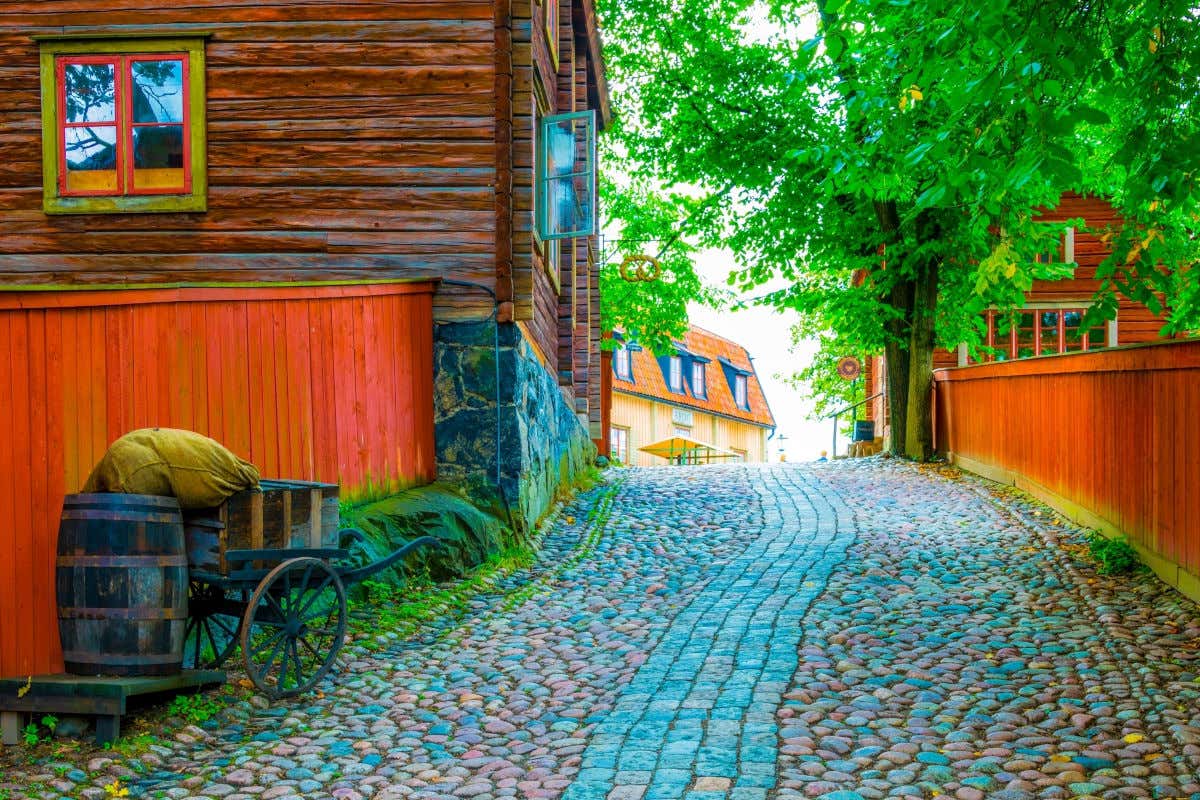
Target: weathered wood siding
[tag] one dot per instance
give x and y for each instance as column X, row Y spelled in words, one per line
column 1109, row 438
column 347, row 141
column 559, row 298
column 649, row 421
column 332, row 384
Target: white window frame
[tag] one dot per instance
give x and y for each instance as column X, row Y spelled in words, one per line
column 741, row 392
column 675, row 374
column 699, row 380
column 623, row 363
column 619, row 452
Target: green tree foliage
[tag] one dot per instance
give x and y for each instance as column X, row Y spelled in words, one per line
column 650, row 312
column 911, row 143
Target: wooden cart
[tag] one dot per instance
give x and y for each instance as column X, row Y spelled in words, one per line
column 265, row 575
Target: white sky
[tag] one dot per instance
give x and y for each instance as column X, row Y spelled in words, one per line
column 767, row 335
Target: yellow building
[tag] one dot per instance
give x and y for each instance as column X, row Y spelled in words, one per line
column 706, row 390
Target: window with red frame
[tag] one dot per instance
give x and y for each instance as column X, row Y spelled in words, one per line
column 123, row 125
column 1041, row 331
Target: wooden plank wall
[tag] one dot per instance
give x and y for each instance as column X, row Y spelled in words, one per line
column 651, row 421
column 1114, row 433
column 1135, row 322
column 331, row 384
column 346, row 141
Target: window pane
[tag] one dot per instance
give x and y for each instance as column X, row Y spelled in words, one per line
column 1071, row 320
column 1049, row 332
column 91, row 148
column 157, row 88
column 158, row 147
column 89, row 92
column 698, row 379
column 1024, row 334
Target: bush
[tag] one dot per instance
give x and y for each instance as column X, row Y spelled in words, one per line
column 1116, row 556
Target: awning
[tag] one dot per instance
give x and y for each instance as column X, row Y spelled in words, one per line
column 682, row 450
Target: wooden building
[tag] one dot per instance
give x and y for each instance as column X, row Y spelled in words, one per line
column 291, row 226
column 707, row 390
column 1049, row 322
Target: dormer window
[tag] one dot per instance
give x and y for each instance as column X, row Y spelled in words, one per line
column 739, row 392
column 676, row 374
column 622, row 365
column 698, row 387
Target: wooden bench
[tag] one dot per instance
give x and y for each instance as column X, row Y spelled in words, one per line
column 103, row 698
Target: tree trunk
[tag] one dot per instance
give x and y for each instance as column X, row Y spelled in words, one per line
column 899, row 295
column 896, row 354
column 918, row 437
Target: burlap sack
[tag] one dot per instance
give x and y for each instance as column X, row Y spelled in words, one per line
column 196, row 470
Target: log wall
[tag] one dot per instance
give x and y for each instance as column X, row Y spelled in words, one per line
column 347, row 141
column 332, row 384
column 1110, row 438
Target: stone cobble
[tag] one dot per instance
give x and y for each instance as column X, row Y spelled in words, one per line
column 966, row 647
column 699, row 716
column 845, row 631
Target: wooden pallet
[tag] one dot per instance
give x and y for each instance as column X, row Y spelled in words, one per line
column 102, row 698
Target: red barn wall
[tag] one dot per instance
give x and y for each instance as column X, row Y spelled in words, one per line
column 331, row 383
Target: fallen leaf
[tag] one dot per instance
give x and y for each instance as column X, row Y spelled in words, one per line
column 1060, row 758
column 24, row 690
column 1133, row 738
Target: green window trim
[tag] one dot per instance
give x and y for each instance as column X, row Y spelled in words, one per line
column 53, row 47
column 566, row 176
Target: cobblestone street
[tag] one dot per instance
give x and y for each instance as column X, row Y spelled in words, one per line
column 848, row 631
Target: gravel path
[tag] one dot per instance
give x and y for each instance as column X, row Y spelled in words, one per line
column 851, row 631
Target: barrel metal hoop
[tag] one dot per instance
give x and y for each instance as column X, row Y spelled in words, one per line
column 148, row 613
column 122, row 561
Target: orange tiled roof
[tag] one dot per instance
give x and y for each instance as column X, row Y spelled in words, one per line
column 724, row 357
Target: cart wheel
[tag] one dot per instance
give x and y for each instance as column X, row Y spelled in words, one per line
column 293, row 627
column 210, row 634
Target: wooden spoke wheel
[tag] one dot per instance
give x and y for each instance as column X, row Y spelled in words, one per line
column 293, row 627
column 211, row 632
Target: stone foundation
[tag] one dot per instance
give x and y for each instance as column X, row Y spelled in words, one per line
column 543, row 446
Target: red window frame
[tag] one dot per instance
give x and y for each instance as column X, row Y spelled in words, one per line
column 1009, row 342
column 123, row 123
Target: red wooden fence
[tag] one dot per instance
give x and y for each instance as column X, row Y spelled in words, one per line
column 331, row 383
column 1112, row 438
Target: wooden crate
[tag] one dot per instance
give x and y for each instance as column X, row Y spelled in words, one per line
column 279, row 515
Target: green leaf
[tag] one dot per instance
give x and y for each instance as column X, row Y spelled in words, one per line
column 1093, row 116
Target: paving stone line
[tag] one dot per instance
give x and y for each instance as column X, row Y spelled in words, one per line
column 697, row 721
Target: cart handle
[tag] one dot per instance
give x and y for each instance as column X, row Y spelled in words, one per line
column 362, row 573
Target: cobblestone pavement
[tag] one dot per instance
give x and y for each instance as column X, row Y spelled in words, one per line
column 848, row 631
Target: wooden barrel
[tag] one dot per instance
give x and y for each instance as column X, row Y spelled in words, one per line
column 122, row 581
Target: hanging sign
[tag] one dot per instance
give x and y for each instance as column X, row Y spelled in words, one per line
column 640, row 268
column 849, row 368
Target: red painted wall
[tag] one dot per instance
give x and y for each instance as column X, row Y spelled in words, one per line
column 1115, row 432
column 331, row 383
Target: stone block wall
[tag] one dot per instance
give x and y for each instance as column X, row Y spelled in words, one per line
column 543, row 446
